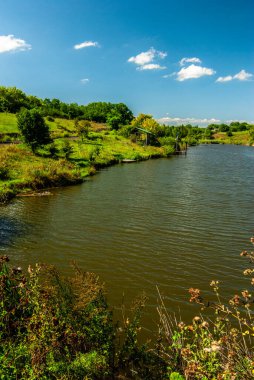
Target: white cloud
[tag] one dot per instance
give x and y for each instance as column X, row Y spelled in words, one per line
column 86, row 44
column 193, row 71
column 145, row 60
column 242, row 76
column 187, row 120
column 228, row 78
column 162, row 54
column 151, row 66
column 10, row 43
column 189, row 60
column 84, row 80
column 169, row 75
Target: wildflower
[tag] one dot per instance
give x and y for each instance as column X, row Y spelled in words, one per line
column 244, row 253
column 181, row 325
column 185, row 352
column 204, row 325
column 195, row 295
column 235, row 300
column 214, row 284
column 190, row 328
column 252, row 281
column 246, row 294
column 215, row 347
column 234, row 332
column 252, row 239
column 196, row 320
column 4, row 259
column 247, row 272
column 224, row 339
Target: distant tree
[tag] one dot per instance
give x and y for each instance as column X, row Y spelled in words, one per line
column 34, row 102
column 223, row 127
column 12, row 99
column 124, row 112
column 208, row 133
column 33, row 128
column 140, row 119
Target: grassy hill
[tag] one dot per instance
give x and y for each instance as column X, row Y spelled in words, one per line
column 238, row 138
column 67, row 160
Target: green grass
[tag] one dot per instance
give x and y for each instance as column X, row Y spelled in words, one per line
column 8, row 123
column 21, row 171
column 238, row 138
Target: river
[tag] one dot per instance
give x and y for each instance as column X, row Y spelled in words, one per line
column 176, row 223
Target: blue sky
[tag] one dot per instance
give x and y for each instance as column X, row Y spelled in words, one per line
column 184, row 60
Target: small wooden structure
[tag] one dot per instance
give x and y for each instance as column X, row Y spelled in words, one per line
column 143, row 135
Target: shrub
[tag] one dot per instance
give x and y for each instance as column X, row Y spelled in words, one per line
column 4, row 171
column 51, row 326
column 33, row 128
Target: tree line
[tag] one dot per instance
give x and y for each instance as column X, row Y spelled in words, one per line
column 13, row 100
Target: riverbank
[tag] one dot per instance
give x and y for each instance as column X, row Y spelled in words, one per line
column 69, row 160
column 236, row 138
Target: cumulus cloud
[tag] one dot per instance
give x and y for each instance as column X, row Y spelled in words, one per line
column 189, row 60
column 187, row 120
column 193, row 71
column 86, row 44
column 84, row 80
column 242, row 76
column 10, row 43
column 145, row 60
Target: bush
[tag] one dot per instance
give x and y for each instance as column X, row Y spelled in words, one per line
column 33, row 128
column 52, row 326
column 4, row 171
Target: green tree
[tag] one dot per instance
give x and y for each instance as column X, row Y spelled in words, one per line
column 114, row 120
column 83, row 127
column 33, row 128
column 67, row 149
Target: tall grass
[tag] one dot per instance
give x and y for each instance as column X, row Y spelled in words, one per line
column 53, row 327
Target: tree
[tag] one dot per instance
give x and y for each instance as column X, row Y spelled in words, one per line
column 67, row 149
column 83, row 127
column 33, row 128
column 114, row 120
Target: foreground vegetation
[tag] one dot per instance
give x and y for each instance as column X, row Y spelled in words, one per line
column 53, row 327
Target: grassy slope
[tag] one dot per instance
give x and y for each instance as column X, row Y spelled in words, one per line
column 8, row 123
column 22, row 171
column 239, row 138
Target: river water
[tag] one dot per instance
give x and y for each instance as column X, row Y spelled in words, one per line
column 176, row 223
